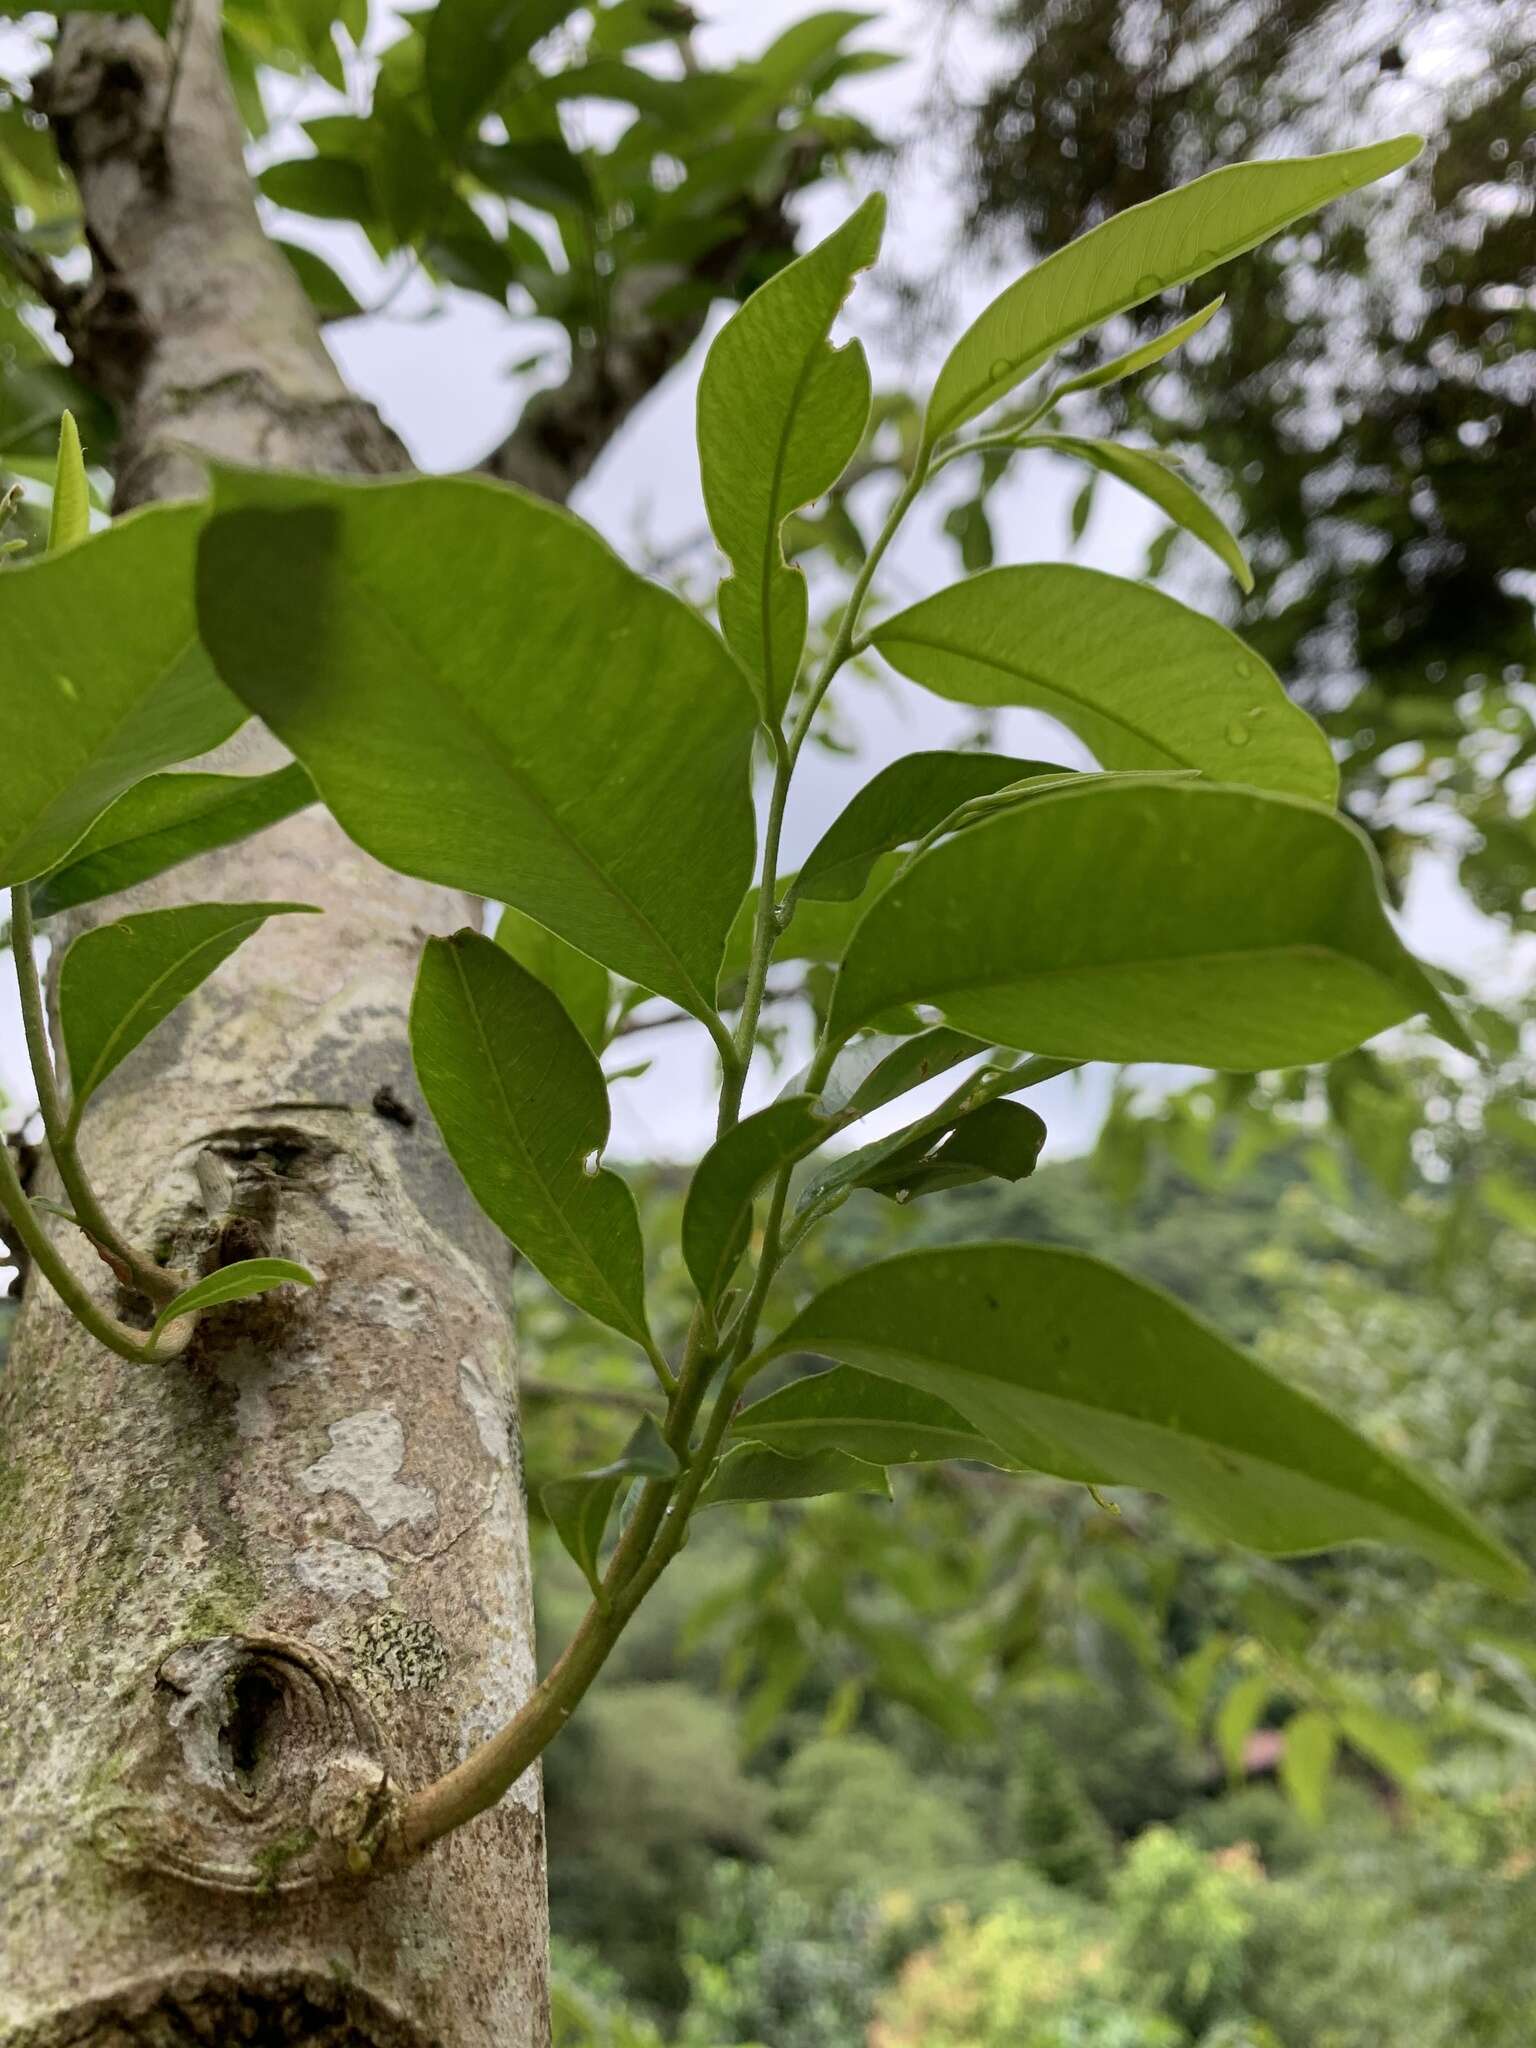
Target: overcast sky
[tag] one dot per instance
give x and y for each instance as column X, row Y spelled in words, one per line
column 439, row 371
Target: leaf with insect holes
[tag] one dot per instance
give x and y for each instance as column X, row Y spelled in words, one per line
column 780, row 414
column 1080, row 1370
column 520, row 1100
column 1143, row 680
column 105, row 676
column 717, row 1215
column 578, row 1508
column 1165, row 488
column 1242, row 931
column 120, row 980
column 585, row 758
column 240, row 1282
column 751, row 1472
column 1132, row 257
column 162, row 821
column 70, row 517
column 878, row 1420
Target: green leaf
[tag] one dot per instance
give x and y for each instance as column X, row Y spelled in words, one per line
column 105, row 677
column 1164, row 486
column 329, row 293
column 1395, row 1746
column 876, row 1419
column 750, row 1472
column 471, row 48
column 247, row 1277
column 581, row 984
column 1140, row 678
column 70, row 518
column 324, row 187
column 520, row 1099
column 121, row 980
column 781, row 413
column 1237, row 1717
column 717, row 1215
column 903, row 802
column 1142, row 357
column 1078, row 1369
column 163, row 821
column 540, row 726
column 1238, row 930
column 998, row 1141
column 875, row 1070
column 579, row 1507
column 1306, row 1762
column 1133, row 256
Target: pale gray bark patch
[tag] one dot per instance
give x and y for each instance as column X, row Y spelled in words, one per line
column 340, row 1570
column 366, row 1454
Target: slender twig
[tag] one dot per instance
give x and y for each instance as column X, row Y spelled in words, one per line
column 152, row 1281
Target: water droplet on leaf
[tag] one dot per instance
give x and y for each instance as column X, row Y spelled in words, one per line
column 1001, row 367
column 1147, row 285
column 1237, row 734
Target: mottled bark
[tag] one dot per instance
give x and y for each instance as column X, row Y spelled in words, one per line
column 251, row 1594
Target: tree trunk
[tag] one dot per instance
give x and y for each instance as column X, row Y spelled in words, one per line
column 249, row 1594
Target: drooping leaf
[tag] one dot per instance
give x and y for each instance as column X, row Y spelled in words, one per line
column 1229, row 929
column 581, row 984
column 1141, row 357
column 121, row 980
column 163, row 821
column 1079, row 1369
column 578, row 1508
column 1237, row 1717
column 998, row 1141
column 541, row 726
column 1394, row 1746
column 1311, row 1742
column 70, row 517
column 471, row 48
column 909, row 798
column 240, row 1282
column 520, row 1099
column 324, row 187
column 781, row 413
column 1140, row 678
column 752, row 1472
column 105, row 677
column 717, row 1215
column 1163, row 485
column 876, row 1419
column 1133, row 256
column 875, row 1070
column 328, row 292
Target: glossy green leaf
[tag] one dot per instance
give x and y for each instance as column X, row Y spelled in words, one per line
column 471, row 48
column 534, row 723
column 328, row 292
column 1135, row 255
column 717, row 1215
column 163, row 821
column 998, row 1141
column 1163, row 486
column 579, row 1507
column 751, row 1472
column 875, row 1070
column 520, row 1099
column 120, row 980
column 324, row 187
column 1079, row 1369
column 70, row 517
column 1140, row 678
column 1228, row 929
column 780, row 415
column 581, row 984
column 105, row 676
column 1311, row 1742
column 1142, row 357
column 240, row 1282
column 878, row 1420
column 911, row 797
